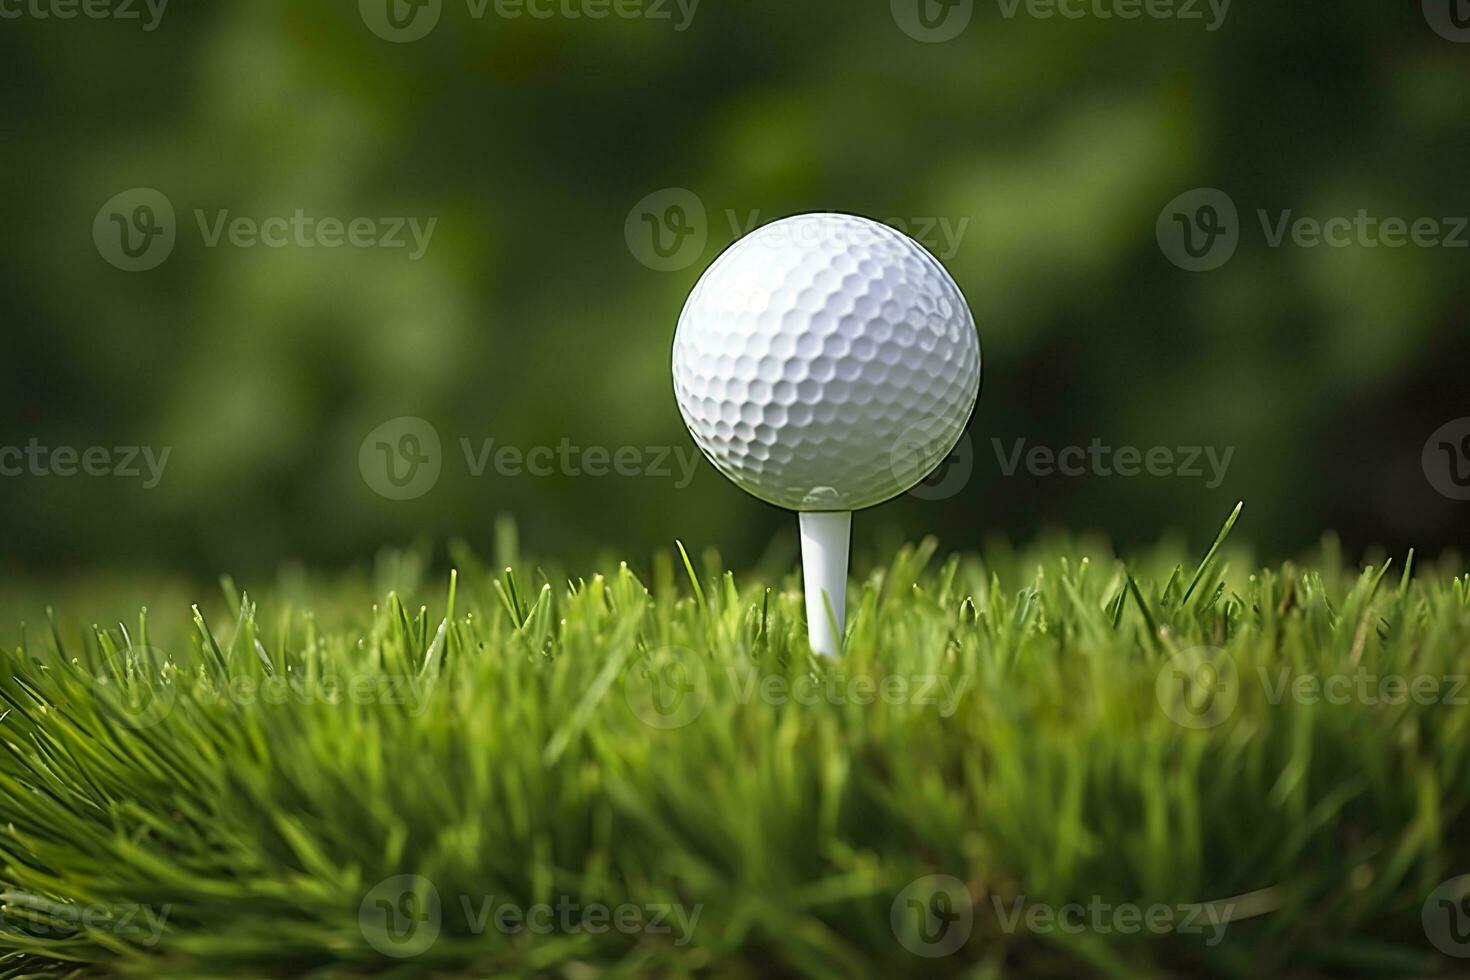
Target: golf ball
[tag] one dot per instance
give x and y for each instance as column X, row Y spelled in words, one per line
column 826, row 362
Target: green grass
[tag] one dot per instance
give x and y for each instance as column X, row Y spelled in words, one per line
column 515, row 737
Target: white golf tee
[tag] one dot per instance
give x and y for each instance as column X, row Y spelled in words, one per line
column 824, row 542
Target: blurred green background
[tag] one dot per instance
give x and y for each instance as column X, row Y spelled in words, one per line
column 1036, row 155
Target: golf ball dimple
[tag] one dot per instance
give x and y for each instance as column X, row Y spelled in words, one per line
column 826, row 362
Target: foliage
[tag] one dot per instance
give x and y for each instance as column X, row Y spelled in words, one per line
column 531, row 753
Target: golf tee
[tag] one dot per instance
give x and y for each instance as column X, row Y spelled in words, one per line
column 824, row 543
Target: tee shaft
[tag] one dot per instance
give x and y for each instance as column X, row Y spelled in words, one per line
column 824, row 545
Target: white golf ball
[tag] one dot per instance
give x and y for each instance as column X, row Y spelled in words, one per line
column 826, row 362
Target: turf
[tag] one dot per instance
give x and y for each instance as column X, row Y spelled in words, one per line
column 333, row 786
